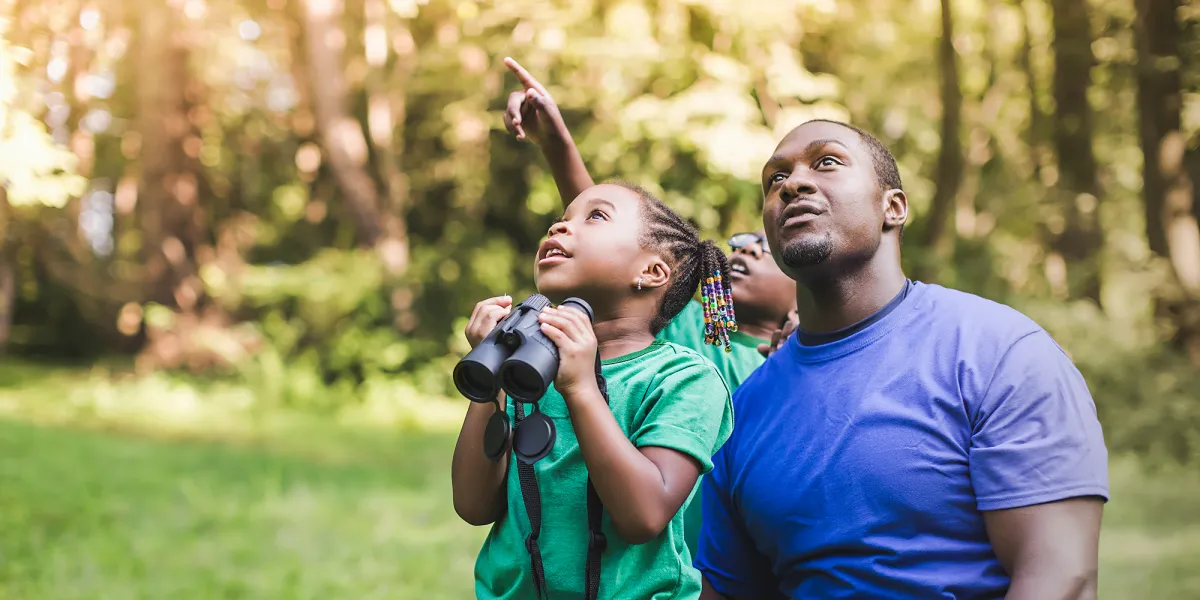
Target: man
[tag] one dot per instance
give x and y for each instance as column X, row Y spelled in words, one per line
column 762, row 293
column 908, row 441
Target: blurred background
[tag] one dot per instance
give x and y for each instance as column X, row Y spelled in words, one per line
column 240, row 239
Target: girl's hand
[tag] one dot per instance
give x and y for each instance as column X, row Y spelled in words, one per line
column 781, row 335
column 486, row 316
column 532, row 114
column 572, row 332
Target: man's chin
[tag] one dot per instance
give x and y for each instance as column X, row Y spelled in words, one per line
column 807, row 252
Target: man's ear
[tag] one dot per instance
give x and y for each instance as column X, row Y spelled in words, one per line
column 655, row 274
column 895, row 209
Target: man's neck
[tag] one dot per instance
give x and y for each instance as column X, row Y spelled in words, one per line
column 832, row 302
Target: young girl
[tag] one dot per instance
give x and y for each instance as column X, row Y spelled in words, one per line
column 764, row 295
column 637, row 264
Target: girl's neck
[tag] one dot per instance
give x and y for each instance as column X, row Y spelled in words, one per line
column 619, row 336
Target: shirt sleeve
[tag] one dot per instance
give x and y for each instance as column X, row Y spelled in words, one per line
column 726, row 554
column 688, row 411
column 1036, row 436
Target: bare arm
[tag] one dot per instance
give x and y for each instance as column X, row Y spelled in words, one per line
column 570, row 174
column 480, row 494
column 1049, row 550
column 642, row 489
column 533, row 115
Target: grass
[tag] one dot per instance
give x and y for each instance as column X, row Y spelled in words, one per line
column 96, row 515
column 97, row 508
column 1150, row 540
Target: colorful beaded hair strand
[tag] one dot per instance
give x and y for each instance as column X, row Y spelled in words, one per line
column 719, row 320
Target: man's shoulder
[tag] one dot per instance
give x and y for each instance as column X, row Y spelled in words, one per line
column 974, row 317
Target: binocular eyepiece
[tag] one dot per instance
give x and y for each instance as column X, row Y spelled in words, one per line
column 516, row 356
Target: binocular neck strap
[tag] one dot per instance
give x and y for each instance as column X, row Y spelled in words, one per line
column 597, row 542
column 533, row 509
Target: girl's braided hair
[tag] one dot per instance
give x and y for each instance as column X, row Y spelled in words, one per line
column 695, row 264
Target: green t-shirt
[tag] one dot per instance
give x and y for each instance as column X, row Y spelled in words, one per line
column 687, row 330
column 664, row 395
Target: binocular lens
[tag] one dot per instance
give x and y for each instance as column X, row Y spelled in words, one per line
column 522, row 381
column 475, row 381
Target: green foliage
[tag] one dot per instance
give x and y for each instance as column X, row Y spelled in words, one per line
column 33, row 168
column 686, row 97
column 324, row 322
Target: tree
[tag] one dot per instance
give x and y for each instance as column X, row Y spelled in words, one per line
column 1079, row 239
column 1168, row 190
column 950, row 158
column 341, row 136
column 169, row 187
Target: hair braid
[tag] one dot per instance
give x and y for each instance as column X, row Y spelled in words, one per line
column 695, row 264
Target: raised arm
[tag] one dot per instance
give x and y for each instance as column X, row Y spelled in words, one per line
column 532, row 115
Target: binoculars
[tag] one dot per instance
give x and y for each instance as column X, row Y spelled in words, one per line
column 516, row 356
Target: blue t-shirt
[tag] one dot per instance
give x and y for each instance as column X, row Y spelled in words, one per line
column 858, row 468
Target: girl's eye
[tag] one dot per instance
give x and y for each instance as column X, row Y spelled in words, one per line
column 828, row 161
column 597, row 213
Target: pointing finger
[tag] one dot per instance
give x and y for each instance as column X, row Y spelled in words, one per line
column 525, row 78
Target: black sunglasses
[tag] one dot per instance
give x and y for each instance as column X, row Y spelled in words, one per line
column 740, row 240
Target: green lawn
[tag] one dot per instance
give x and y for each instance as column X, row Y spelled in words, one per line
column 94, row 515
column 322, row 512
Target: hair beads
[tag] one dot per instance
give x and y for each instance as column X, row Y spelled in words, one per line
column 719, row 320
column 691, row 259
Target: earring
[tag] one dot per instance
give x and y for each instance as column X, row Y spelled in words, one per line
column 639, row 284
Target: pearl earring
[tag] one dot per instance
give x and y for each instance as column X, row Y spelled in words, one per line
column 639, row 284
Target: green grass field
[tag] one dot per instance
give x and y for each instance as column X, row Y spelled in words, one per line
column 96, row 515
column 323, row 511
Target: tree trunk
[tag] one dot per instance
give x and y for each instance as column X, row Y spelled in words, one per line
column 387, row 110
column 950, row 160
column 1160, row 101
column 1037, row 119
column 168, row 189
column 1080, row 240
column 1168, row 189
column 1191, row 161
column 341, row 137
column 8, row 275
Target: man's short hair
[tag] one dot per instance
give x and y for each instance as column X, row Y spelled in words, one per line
column 887, row 174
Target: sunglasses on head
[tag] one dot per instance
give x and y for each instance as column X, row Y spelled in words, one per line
column 741, row 240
